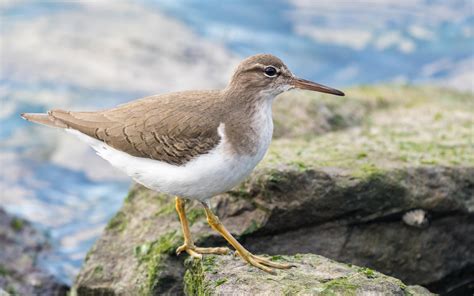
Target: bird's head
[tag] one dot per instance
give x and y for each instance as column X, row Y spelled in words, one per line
column 267, row 74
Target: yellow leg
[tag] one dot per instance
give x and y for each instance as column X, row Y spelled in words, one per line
column 257, row 261
column 188, row 245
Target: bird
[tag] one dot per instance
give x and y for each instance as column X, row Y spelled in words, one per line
column 193, row 144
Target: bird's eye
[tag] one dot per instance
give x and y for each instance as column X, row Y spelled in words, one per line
column 270, row 71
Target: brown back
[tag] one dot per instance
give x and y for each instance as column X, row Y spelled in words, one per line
column 173, row 128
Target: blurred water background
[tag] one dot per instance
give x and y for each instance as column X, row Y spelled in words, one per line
column 85, row 55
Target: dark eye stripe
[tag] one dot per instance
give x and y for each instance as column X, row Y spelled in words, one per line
column 270, row 71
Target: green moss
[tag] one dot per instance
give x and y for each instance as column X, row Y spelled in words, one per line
column 340, row 286
column 88, row 255
column 17, row 224
column 275, row 176
column 141, row 250
column 240, row 191
column 367, row 170
column 298, row 256
column 166, row 244
column 131, row 194
column 153, row 272
column 220, row 282
column 98, row 271
column 306, row 114
column 277, row 257
column 3, row 271
column 408, row 293
column 301, row 166
column 406, row 127
column 194, row 279
column 369, row 273
column 192, row 283
column 405, row 289
column 11, row 290
column 337, row 121
column 166, row 209
column 152, row 254
column 291, row 290
column 209, row 264
column 118, row 222
column 194, row 215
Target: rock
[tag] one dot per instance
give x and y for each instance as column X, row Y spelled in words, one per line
column 136, row 252
column 416, row 218
column 307, row 115
column 20, row 274
column 312, row 275
column 341, row 194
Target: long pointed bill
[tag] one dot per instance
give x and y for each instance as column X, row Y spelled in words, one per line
column 309, row 85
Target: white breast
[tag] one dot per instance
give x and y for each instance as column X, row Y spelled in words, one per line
column 201, row 178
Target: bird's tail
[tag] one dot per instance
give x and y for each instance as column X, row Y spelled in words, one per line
column 45, row 119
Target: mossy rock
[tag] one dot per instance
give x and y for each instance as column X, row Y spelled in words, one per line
column 341, row 192
column 312, row 275
column 416, row 127
column 129, row 258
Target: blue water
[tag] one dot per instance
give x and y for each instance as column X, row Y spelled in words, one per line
column 88, row 56
column 249, row 26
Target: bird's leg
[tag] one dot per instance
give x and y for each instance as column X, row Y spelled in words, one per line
column 257, row 261
column 188, row 245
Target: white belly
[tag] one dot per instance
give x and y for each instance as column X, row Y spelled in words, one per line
column 201, row 178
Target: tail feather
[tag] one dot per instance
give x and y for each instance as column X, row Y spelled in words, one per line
column 45, row 119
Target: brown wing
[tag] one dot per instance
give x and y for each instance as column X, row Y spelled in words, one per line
column 173, row 128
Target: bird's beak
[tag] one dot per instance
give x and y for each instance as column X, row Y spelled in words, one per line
column 309, row 85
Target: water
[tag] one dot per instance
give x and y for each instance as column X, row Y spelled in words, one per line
column 80, row 55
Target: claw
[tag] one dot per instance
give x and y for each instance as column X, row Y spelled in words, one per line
column 180, row 249
column 263, row 263
column 257, row 264
column 273, row 264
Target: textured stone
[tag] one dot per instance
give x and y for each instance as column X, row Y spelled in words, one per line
column 312, row 275
column 341, row 193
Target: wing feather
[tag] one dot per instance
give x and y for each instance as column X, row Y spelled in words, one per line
column 163, row 128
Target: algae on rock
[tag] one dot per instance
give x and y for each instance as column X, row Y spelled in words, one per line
column 132, row 255
column 340, row 192
column 312, row 275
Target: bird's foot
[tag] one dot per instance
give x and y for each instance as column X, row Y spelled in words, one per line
column 263, row 263
column 197, row 252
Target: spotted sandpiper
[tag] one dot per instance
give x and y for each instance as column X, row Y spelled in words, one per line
column 192, row 144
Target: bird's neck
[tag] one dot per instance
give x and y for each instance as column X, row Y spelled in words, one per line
column 249, row 124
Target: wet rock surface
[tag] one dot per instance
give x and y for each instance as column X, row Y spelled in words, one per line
column 344, row 194
column 20, row 274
